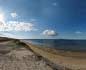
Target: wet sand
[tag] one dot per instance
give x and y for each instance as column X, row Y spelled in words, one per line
column 62, row 61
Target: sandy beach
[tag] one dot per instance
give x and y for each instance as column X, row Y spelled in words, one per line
column 22, row 55
column 64, row 60
column 17, row 57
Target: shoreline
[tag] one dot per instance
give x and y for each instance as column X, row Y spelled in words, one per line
column 20, row 58
column 59, row 60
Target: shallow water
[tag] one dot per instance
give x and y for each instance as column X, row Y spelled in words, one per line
column 79, row 45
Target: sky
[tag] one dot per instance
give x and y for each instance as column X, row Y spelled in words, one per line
column 43, row 19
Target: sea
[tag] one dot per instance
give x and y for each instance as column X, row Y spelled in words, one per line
column 61, row 44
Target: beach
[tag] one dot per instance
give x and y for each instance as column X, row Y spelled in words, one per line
column 14, row 56
column 62, row 59
column 23, row 55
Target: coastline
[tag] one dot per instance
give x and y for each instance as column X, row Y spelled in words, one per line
column 14, row 56
column 53, row 59
column 60, row 60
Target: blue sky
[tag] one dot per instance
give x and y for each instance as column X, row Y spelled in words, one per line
column 59, row 19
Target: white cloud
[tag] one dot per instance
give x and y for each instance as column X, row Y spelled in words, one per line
column 13, row 14
column 32, row 19
column 7, row 35
column 10, row 35
column 16, row 26
column 78, row 32
column 54, row 4
column 2, row 17
column 49, row 33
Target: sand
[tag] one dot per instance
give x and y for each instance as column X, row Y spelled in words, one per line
column 64, row 62
column 20, row 58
